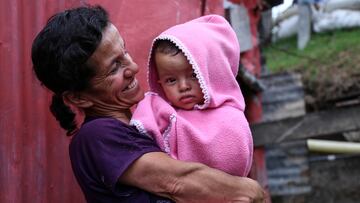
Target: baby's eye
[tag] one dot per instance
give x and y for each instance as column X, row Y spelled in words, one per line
column 193, row 75
column 170, row 81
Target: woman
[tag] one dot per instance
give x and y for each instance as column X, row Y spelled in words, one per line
column 80, row 56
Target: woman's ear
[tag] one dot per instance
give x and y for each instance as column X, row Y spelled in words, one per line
column 76, row 99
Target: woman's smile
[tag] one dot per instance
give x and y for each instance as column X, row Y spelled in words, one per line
column 132, row 85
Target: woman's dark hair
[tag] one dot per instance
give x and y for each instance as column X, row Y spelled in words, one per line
column 166, row 47
column 60, row 52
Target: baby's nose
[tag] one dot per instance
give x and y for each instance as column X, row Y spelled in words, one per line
column 184, row 85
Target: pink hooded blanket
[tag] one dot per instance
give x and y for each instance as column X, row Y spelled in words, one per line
column 215, row 133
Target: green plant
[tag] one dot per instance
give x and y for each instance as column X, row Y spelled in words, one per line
column 322, row 49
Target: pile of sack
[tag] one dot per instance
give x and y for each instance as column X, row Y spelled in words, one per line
column 326, row 15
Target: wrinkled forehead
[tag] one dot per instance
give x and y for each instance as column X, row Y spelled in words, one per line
column 110, row 35
column 110, row 47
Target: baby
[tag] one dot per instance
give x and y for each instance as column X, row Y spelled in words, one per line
column 195, row 108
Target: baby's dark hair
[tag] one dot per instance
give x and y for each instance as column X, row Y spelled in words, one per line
column 166, row 47
column 60, row 53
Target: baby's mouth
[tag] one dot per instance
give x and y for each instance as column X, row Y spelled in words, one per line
column 187, row 99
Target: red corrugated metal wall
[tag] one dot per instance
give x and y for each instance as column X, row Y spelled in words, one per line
column 34, row 163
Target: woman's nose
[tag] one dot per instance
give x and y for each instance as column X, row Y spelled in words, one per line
column 131, row 70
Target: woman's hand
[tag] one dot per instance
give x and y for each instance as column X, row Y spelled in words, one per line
column 256, row 195
column 187, row 182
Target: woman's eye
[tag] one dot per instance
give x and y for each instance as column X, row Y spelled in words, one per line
column 118, row 63
column 116, row 67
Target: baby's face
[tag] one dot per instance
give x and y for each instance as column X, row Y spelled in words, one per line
column 178, row 80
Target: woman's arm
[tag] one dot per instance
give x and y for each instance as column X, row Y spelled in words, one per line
column 183, row 181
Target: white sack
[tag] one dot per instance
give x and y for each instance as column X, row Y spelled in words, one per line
column 331, row 5
column 286, row 28
column 337, row 19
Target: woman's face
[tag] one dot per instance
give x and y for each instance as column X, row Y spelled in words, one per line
column 114, row 87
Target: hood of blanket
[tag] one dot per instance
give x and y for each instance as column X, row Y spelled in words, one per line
column 210, row 45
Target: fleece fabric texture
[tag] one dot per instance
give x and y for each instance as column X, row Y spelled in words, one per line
column 215, row 133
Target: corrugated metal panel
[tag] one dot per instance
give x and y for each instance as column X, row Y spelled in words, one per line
column 288, row 168
column 34, row 157
column 283, row 96
column 34, row 163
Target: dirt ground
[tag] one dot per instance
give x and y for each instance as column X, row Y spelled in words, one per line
column 334, row 83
